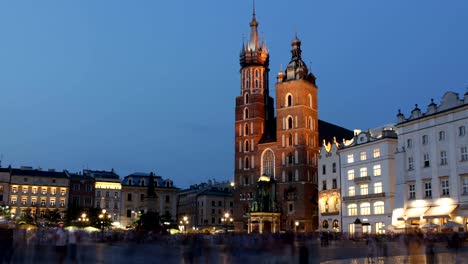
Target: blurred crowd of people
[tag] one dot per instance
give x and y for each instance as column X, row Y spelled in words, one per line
column 234, row 248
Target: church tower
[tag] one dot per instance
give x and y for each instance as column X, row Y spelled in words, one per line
column 254, row 121
column 297, row 139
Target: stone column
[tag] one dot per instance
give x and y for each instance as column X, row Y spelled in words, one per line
column 260, row 226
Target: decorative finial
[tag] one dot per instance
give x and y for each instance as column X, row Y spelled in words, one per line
column 432, row 100
column 281, row 67
column 253, row 13
column 399, row 111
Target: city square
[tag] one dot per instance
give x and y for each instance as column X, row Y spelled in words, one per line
column 256, row 132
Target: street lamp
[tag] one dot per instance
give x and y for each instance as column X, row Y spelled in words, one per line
column 83, row 218
column 102, row 218
column 226, row 219
column 296, row 224
column 185, row 222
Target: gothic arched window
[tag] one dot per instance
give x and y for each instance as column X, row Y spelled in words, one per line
column 247, row 145
column 246, row 98
column 290, row 122
column 246, row 129
column 246, row 113
column 268, row 163
column 247, row 163
column 290, row 140
column 290, row 159
column 289, row 100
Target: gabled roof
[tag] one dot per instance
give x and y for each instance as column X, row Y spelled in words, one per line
column 39, row 173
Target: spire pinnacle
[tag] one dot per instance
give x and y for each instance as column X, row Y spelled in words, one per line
column 254, row 43
column 253, row 13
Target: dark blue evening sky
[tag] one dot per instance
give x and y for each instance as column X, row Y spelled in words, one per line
column 150, row 85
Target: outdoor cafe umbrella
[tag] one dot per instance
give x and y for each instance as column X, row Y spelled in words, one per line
column 91, row 229
column 27, row 226
column 430, row 225
column 451, row 224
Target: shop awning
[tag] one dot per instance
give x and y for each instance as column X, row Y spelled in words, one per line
column 442, row 211
column 414, row 213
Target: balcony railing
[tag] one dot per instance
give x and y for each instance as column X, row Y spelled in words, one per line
column 330, row 213
column 362, row 179
column 362, row 197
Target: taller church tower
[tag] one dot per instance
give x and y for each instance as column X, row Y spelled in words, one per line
column 254, row 121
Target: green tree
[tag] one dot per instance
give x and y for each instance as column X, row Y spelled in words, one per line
column 26, row 217
column 52, row 217
column 72, row 214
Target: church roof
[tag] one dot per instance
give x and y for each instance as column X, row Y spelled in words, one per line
column 328, row 131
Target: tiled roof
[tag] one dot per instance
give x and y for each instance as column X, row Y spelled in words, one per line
column 39, row 173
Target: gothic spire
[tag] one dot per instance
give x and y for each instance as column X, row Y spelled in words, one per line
column 254, row 52
column 254, row 43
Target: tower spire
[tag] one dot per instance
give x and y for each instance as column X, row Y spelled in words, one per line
column 254, row 43
column 253, row 13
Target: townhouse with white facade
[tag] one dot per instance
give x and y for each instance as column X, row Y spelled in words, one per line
column 432, row 164
column 108, row 192
column 329, row 187
column 368, row 180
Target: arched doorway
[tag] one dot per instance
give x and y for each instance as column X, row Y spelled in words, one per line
column 325, row 224
column 336, row 225
column 266, row 227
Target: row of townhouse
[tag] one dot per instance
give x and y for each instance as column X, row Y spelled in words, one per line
column 123, row 200
column 399, row 176
column 35, row 190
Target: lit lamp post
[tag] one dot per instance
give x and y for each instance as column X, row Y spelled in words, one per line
column 102, row 219
column 296, row 224
column 83, row 219
column 185, row 222
column 226, row 220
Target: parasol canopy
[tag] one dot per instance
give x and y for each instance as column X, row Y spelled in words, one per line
column 27, row 226
column 430, row 225
column 91, row 229
column 452, row 224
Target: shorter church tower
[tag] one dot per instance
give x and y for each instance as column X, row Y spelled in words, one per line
column 297, row 139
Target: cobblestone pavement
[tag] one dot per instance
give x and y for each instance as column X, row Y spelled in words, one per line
column 337, row 252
